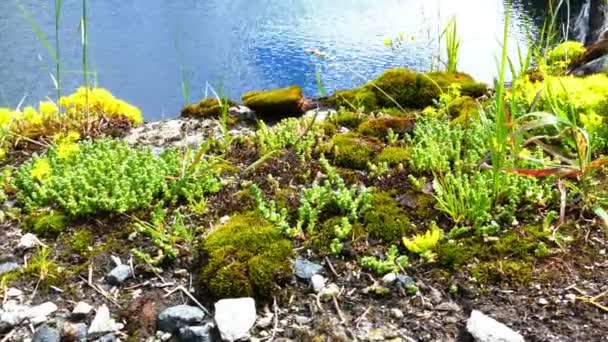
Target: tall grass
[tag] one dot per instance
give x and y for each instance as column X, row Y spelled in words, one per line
column 452, row 45
column 54, row 52
column 185, row 74
column 499, row 145
column 84, row 40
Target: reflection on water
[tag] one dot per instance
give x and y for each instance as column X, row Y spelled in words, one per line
column 138, row 47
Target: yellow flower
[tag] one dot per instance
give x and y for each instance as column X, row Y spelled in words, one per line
column 32, row 116
column 5, row 117
column 48, row 108
column 41, row 170
column 66, row 150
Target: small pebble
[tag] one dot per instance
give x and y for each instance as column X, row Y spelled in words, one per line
column 389, row 279
column 397, row 313
column 119, row 274
column 570, row 297
column 330, row 291
column 543, row 301
column 28, row 241
column 302, row 319
column 13, row 292
column 318, row 282
column 82, row 309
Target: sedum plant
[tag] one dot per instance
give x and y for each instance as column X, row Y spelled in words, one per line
column 106, row 176
column 291, row 132
column 392, row 263
column 424, row 244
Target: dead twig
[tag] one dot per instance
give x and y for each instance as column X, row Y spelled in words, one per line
column 337, row 307
column 101, row 292
column 331, row 267
column 358, row 320
column 276, row 319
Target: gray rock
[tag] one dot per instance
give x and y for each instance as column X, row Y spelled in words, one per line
column 486, row 329
column 46, row 334
column 119, row 274
column 28, row 241
column 235, row 317
column 318, row 282
column 199, row 333
column 39, row 313
column 596, row 66
column 107, row 338
column 74, row 332
column 405, row 281
column 8, row 264
column 103, row 322
column 305, row 269
column 389, row 279
column 302, row 319
column 176, row 317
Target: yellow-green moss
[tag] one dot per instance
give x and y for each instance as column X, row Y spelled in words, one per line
column 80, row 241
column 353, row 151
column 463, row 109
column 350, row 120
column 378, row 127
column 246, row 256
column 322, row 237
column 394, row 155
column 46, row 223
column 561, row 56
column 385, row 220
column 424, row 207
column 409, row 89
column 276, row 103
column 206, row 108
column 503, row 271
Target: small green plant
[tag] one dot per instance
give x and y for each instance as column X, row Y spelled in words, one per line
column 299, row 134
column 270, row 211
column 378, row 169
column 452, row 45
column 465, row 199
column 424, row 244
column 392, row 263
column 42, row 266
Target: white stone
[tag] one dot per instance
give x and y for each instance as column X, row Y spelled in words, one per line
column 82, row 309
column 28, row 241
column 486, row 329
column 331, row 290
column 13, row 292
column 318, row 282
column 543, row 301
column 235, row 317
column 398, row 314
column 40, row 311
column 389, row 279
column 103, row 323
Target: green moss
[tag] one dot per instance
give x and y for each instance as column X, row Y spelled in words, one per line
column 378, row 127
column 207, row 108
column 503, row 271
column 322, row 237
column 276, row 103
column 424, row 209
column 409, row 89
column 463, row 109
column 353, row 151
column 246, row 257
column 350, row 120
column 385, row 220
column 561, row 56
column 394, row 155
column 80, row 241
column 355, row 99
column 46, row 223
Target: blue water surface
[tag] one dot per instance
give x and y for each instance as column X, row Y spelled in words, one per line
column 142, row 49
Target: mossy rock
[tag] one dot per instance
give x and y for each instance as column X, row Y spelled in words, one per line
column 408, row 89
column 276, row 103
column 385, row 220
column 394, row 155
column 463, row 109
column 349, row 120
column 207, row 108
column 353, row 151
column 379, row 127
column 246, row 257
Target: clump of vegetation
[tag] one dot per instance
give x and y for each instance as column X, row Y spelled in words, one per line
column 394, row 262
column 353, row 151
column 380, row 127
column 425, row 244
column 246, row 256
column 348, row 119
column 88, row 110
column 207, row 108
column 385, row 220
column 300, row 134
column 107, row 176
column 394, row 155
column 562, row 55
column 276, row 103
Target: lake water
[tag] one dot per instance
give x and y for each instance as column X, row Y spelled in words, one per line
column 139, row 48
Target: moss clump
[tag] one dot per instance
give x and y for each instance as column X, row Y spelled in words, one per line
column 463, row 109
column 385, row 220
column 276, row 103
column 46, row 223
column 424, row 207
column 561, row 56
column 394, row 155
column 353, row 151
column 207, row 108
column 350, row 120
column 322, row 237
column 408, row 89
column 503, row 271
column 80, row 241
column 379, row 127
column 247, row 256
